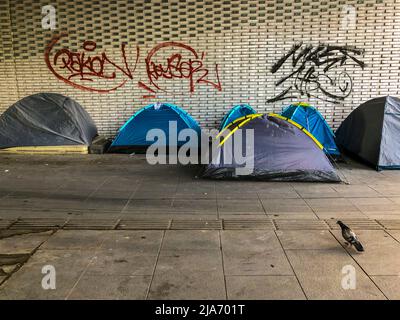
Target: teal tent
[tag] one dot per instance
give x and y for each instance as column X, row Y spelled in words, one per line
column 309, row 117
column 235, row 113
column 132, row 136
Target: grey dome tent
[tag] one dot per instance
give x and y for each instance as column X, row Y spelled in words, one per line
column 283, row 151
column 46, row 120
column 372, row 133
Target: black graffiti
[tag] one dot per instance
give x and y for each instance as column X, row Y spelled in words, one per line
column 316, row 72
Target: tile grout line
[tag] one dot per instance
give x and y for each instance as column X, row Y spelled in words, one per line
column 351, row 257
column 223, row 264
column 291, row 266
column 390, row 235
column 96, row 189
column 155, row 265
column 176, row 190
column 84, row 271
column 308, row 205
column 122, row 211
column 262, row 205
column 216, row 200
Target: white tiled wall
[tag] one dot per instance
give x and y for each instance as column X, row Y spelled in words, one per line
column 244, row 37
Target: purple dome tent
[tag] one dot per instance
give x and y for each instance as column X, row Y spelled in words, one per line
column 283, row 151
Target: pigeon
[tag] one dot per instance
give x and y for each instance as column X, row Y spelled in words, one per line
column 350, row 236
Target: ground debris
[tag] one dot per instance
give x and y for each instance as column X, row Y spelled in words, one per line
column 12, row 233
column 13, row 259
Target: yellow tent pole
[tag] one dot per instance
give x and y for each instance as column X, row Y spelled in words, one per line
column 240, row 125
column 251, row 116
column 302, row 104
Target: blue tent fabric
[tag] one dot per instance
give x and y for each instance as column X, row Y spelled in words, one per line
column 310, row 118
column 235, row 113
column 133, row 133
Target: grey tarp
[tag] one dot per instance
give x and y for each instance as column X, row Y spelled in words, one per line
column 282, row 152
column 46, row 119
column 372, row 133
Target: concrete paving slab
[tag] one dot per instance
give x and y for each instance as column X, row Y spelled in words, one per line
column 253, row 252
column 169, row 215
column 176, row 240
column 286, row 206
column 161, row 195
column 236, row 196
column 27, row 282
column 307, row 239
column 122, row 262
column 194, row 205
column 172, row 285
column 392, row 190
column 110, row 287
column 383, row 215
column 104, row 204
column 48, row 203
column 390, row 286
column 263, row 288
column 320, row 275
column 98, row 187
column 240, row 206
column 188, row 261
column 25, row 243
column 381, row 255
column 331, row 205
column 74, row 239
column 315, row 191
column 341, row 215
column 297, row 216
column 73, row 192
column 196, row 190
column 277, row 191
column 351, row 191
column 283, row 195
column 129, row 253
column 137, row 241
column 375, row 205
column 195, row 195
column 243, row 216
column 381, row 201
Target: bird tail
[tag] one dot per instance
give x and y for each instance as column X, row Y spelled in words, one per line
column 358, row 246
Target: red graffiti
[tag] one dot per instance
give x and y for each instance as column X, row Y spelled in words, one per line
column 83, row 70
column 87, row 70
column 176, row 66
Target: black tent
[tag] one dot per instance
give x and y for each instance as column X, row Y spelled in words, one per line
column 46, row 119
column 283, row 151
column 371, row 133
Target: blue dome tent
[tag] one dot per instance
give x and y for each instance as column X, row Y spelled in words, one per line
column 132, row 135
column 235, row 113
column 309, row 117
